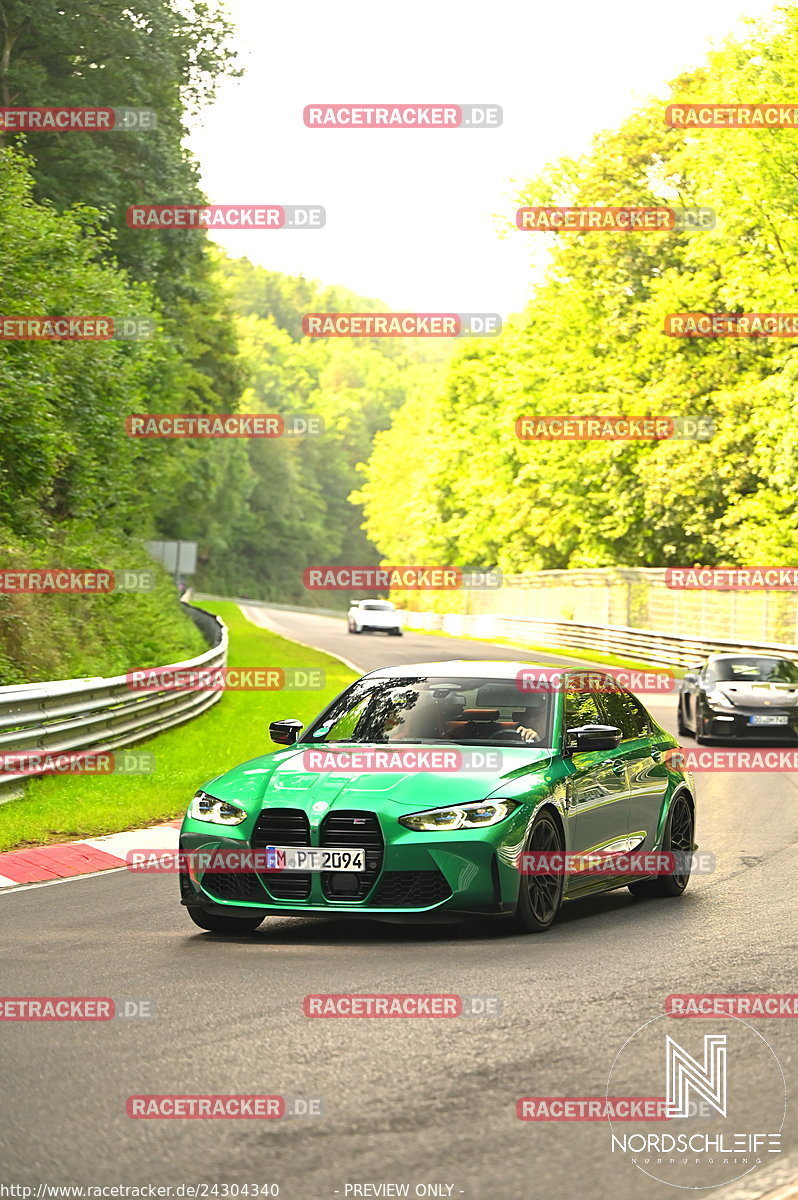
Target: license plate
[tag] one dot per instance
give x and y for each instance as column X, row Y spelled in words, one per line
column 769, row 719
column 314, row 858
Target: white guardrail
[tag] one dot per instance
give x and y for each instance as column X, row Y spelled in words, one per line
column 644, row 645
column 98, row 715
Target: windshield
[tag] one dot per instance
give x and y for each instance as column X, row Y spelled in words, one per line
column 766, row 670
column 467, row 711
column 376, row 605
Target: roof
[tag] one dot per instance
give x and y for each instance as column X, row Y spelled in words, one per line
column 472, row 668
column 749, row 654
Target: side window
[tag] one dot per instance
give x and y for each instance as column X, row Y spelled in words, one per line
column 632, row 717
column 614, row 707
column 581, row 708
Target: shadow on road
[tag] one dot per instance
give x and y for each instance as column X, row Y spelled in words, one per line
column 613, row 907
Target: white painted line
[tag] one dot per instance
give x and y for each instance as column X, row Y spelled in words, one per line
column 156, row 837
column 27, row 887
column 267, row 624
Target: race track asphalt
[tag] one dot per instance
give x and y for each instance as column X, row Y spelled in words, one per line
column 417, row 1102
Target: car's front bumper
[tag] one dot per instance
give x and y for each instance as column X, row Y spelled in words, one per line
column 733, row 725
column 417, row 874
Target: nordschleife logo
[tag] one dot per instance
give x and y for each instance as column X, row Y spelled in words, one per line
column 723, row 1096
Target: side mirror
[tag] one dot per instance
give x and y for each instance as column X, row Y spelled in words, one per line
column 285, row 732
column 593, row 737
column 690, row 679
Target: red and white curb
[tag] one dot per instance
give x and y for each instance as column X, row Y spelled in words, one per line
column 64, row 860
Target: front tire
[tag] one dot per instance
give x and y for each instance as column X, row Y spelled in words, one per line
column 681, row 728
column 216, row 923
column 540, row 896
column 678, row 839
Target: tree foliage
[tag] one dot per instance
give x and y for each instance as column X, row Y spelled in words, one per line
column 592, row 341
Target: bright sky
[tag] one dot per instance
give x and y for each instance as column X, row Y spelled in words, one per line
column 412, row 215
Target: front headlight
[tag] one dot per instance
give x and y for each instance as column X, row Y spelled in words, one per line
column 462, row 816
column 718, row 700
column 219, row 812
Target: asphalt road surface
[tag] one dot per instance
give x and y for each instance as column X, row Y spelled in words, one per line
column 427, row 1103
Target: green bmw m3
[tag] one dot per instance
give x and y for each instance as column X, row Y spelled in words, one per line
column 443, row 791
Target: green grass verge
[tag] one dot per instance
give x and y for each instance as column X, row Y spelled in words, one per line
column 609, row 660
column 63, row 808
column 71, row 635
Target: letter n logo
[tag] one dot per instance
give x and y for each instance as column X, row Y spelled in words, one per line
column 684, row 1074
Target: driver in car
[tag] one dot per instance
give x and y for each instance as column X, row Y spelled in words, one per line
column 526, row 731
column 488, row 724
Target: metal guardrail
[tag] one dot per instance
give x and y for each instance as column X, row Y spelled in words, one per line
column 99, row 715
column 644, row 645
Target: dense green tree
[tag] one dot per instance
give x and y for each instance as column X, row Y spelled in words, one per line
column 592, row 341
column 63, row 451
column 297, row 508
column 150, row 54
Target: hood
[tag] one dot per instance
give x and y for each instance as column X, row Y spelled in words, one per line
column 279, row 779
column 754, row 694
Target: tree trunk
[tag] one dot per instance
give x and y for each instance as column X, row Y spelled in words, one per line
column 9, row 37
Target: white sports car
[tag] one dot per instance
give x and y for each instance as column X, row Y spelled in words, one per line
column 366, row 616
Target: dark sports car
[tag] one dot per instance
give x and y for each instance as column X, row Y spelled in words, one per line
column 746, row 697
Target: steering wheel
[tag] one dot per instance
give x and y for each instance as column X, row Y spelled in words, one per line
column 503, row 733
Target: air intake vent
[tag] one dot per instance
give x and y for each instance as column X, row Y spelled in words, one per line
column 238, row 885
column 352, row 829
column 284, row 827
column 411, row 889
